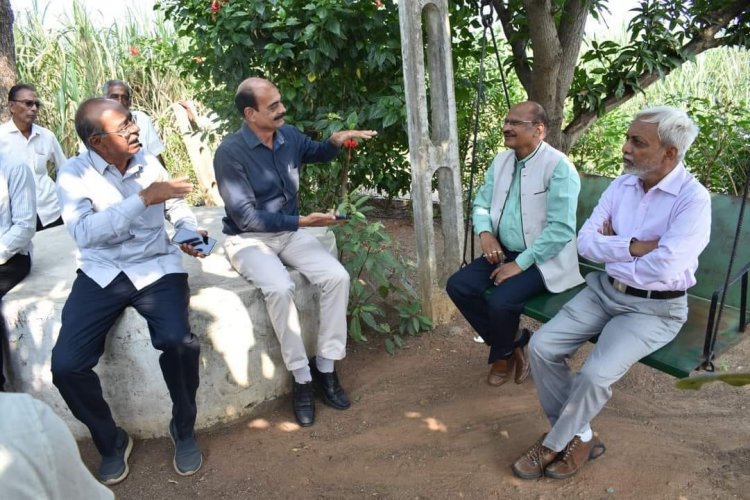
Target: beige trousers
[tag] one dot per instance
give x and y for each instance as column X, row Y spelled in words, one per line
column 261, row 259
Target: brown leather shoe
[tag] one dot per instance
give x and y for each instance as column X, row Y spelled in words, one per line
column 521, row 360
column 572, row 458
column 532, row 463
column 500, row 372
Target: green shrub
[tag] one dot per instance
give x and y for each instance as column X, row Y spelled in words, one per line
column 380, row 287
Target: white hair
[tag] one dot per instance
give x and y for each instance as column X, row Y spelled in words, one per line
column 673, row 126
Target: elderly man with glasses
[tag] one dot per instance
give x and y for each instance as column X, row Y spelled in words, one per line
column 120, row 91
column 525, row 217
column 115, row 200
column 23, row 141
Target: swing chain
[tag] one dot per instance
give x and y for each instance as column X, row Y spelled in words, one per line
column 485, row 12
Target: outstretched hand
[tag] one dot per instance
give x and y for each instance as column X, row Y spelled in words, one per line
column 338, row 138
column 158, row 192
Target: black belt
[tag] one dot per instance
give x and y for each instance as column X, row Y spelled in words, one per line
column 645, row 294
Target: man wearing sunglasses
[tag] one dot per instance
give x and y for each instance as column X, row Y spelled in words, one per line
column 115, row 200
column 525, row 217
column 26, row 142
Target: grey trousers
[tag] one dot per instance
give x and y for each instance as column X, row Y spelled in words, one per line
column 261, row 259
column 631, row 328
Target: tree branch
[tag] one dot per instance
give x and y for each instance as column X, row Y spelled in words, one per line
column 704, row 41
column 517, row 45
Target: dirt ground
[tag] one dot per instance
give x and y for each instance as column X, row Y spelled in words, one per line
column 424, row 424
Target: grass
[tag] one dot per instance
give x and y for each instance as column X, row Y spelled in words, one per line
column 69, row 64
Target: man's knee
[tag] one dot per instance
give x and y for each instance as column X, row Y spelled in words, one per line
column 64, row 364
column 179, row 340
column 339, row 275
column 539, row 346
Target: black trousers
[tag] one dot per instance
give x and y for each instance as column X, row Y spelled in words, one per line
column 87, row 317
column 494, row 311
column 11, row 273
column 54, row 223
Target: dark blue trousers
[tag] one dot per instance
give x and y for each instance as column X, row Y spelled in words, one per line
column 87, row 317
column 494, row 315
column 11, row 274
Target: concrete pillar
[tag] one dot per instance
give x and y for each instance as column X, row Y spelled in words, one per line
column 433, row 146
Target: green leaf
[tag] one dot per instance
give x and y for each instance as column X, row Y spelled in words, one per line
column 389, row 346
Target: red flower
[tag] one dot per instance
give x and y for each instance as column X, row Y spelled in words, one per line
column 215, row 6
column 350, row 144
column 134, row 51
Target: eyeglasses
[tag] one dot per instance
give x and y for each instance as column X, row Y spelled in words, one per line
column 29, row 103
column 516, row 123
column 123, row 131
column 119, row 97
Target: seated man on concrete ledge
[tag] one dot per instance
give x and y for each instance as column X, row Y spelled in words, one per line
column 114, row 201
column 17, row 227
column 648, row 229
column 258, row 172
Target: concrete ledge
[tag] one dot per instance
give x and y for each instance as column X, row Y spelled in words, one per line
column 241, row 363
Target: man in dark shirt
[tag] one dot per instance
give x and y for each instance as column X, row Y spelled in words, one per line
column 257, row 172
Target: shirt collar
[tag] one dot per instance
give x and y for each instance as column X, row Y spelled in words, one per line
column 252, row 140
column 671, row 182
column 531, row 155
column 100, row 164
column 11, row 127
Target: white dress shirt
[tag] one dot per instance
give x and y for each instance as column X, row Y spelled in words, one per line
column 677, row 212
column 17, row 209
column 40, row 149
column 114, row 231
column 39, row 457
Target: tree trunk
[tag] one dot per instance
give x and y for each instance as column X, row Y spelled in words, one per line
column 555, row 48
column 7, row 57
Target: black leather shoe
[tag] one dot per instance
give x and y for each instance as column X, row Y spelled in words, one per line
column 303, row 403
column 328, row 384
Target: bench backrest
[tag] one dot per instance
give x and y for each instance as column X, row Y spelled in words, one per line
column 714, row 260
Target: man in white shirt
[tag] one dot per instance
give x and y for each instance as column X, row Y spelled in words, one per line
column 26, row 142
column 39, row 455
column 648, row 229
column 115, row 200
column 17, row 222
column 120, row 91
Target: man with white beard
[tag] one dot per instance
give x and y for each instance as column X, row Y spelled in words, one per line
column 648, row 229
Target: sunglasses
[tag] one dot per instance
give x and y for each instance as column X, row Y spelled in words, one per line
column 29, row 103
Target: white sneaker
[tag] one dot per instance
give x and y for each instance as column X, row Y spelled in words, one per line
column 478, row 339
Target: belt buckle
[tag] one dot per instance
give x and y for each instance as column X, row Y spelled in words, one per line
column 619, row 286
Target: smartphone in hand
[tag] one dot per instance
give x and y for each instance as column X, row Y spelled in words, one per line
column 203, row 244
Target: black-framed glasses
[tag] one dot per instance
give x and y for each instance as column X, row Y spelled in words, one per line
column 516, row 123
column 124, row 131
column 29, row 103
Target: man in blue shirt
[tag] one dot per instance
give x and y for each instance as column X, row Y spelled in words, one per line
column 114, row 200
column 525, row 216
column 258, row 172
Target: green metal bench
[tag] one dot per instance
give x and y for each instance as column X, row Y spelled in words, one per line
column 692, row 348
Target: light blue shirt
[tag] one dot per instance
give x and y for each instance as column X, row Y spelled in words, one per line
column 17, row 209
column 562, row 199
column 114, row 231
